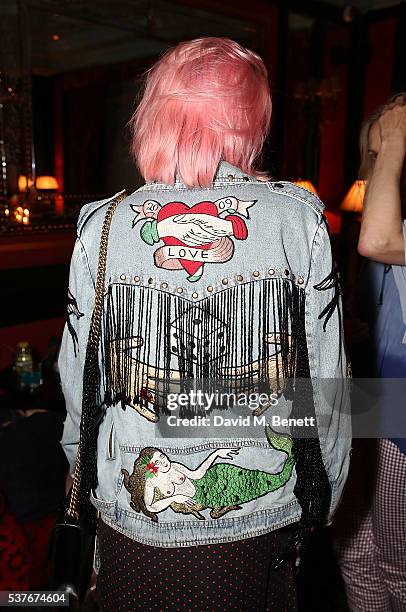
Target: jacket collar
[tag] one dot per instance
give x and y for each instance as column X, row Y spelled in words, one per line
column 225, row 173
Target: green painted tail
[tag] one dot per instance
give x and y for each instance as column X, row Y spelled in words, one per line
column 281, row 442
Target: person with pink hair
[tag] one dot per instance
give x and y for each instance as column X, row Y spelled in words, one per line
column 214, row 277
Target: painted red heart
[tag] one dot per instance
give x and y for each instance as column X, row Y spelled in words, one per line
column 176, row 208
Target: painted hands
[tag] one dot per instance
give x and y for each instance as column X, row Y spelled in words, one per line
column 199, row 230
column 183, row 499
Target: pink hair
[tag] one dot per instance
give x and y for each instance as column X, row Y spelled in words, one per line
column 204, row 101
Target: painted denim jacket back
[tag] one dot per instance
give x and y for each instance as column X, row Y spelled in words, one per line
column 205, row 284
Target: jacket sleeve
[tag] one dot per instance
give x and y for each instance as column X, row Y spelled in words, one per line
column 329, row 368
column 325, row 315
column 72, row 353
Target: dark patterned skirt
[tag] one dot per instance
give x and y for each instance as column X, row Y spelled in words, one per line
column 230, row 576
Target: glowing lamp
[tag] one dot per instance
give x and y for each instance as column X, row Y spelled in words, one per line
column 22, row 215
column 307, row 185
column 46, row 182
column 354, row 198
column 24, row 183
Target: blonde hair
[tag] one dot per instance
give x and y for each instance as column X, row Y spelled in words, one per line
column 366, row 163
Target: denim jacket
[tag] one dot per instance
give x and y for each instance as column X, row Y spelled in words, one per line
column 203, row 283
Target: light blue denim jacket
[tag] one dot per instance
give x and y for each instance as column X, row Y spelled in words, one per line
column 201, row 281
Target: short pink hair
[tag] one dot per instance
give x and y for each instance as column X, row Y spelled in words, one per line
column 203, row 101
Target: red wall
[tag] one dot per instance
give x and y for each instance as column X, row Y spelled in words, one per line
column 332, row 128
column 378, row 85
column 378, row 88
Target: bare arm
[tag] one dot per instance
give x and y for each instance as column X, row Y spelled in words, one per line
column 199, row 472
column 381, row 236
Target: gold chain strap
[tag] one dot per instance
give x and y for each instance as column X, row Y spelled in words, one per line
column 94, row 336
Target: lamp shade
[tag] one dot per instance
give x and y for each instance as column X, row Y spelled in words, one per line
column 307, row 185
column 24, row 183
column 354, row 198
column 47, row 182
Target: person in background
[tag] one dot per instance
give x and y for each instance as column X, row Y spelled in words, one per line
column 371, row 527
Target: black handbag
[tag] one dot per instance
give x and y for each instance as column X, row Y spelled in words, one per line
column 73, row 539
column 72, row 551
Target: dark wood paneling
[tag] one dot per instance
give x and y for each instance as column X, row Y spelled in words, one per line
column 36, row 249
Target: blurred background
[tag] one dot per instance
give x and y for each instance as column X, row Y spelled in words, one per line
column 69, row 77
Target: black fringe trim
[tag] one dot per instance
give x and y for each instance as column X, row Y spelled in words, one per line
column 153, row 339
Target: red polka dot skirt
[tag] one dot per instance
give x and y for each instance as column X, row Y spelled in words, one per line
column 231, row 576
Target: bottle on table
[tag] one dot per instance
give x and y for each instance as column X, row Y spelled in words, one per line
column 24, row 365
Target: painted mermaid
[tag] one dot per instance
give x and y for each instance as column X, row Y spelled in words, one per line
column 156, row 483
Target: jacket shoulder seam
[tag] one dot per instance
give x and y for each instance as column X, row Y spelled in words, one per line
column 297, row 193
column 87, row 211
